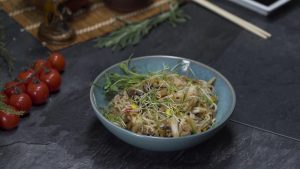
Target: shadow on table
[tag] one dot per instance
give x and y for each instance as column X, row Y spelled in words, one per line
column 293, row 5
column 204, row 155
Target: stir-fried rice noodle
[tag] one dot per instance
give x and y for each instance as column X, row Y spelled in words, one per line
column 165, row 105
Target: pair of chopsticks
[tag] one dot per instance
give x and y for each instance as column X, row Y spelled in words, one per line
column 235, row 19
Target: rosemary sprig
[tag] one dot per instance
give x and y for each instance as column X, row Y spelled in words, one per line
column 132, row 33
column 4, row 53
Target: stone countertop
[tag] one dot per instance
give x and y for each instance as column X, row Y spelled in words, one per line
column 264, row 130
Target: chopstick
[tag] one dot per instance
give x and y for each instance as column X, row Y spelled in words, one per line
column 235, row 19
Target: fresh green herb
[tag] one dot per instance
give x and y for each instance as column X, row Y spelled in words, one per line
column 114, row 118
column 116, row 82
column 214, row 99
column 157, row 103
column 4, row 53
column 7, row 109
column 132, row 33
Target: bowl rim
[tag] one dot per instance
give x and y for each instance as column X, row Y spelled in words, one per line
column 93, row 101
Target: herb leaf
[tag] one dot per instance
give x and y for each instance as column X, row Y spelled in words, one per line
column 117, row 82
column 8, row 109
column 132, row 33
column 4, row 53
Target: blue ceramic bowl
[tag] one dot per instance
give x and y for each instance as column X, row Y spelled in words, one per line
column 224, row 91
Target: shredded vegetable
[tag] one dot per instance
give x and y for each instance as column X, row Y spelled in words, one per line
column 162, row 104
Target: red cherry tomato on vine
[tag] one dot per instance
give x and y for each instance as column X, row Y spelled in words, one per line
column 38, row 91
column 10, row 88
column 52, row 78
column 21, row 102
column 57, row 61
column 8, row 121
column 26, row 75
column 40, row 64
column 5, row 98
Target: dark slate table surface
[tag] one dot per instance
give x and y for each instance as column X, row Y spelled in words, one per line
column 264, row 130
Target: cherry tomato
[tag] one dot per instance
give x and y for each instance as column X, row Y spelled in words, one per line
column 40, row 64
column 5, row 98
column 57, row 61
column 10, row 88
column 26, row 75
column 21, row 102
column 38, row 91
column 52, row 78
column 8, row 121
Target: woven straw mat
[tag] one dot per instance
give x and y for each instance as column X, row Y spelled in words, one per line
column 98, row 21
